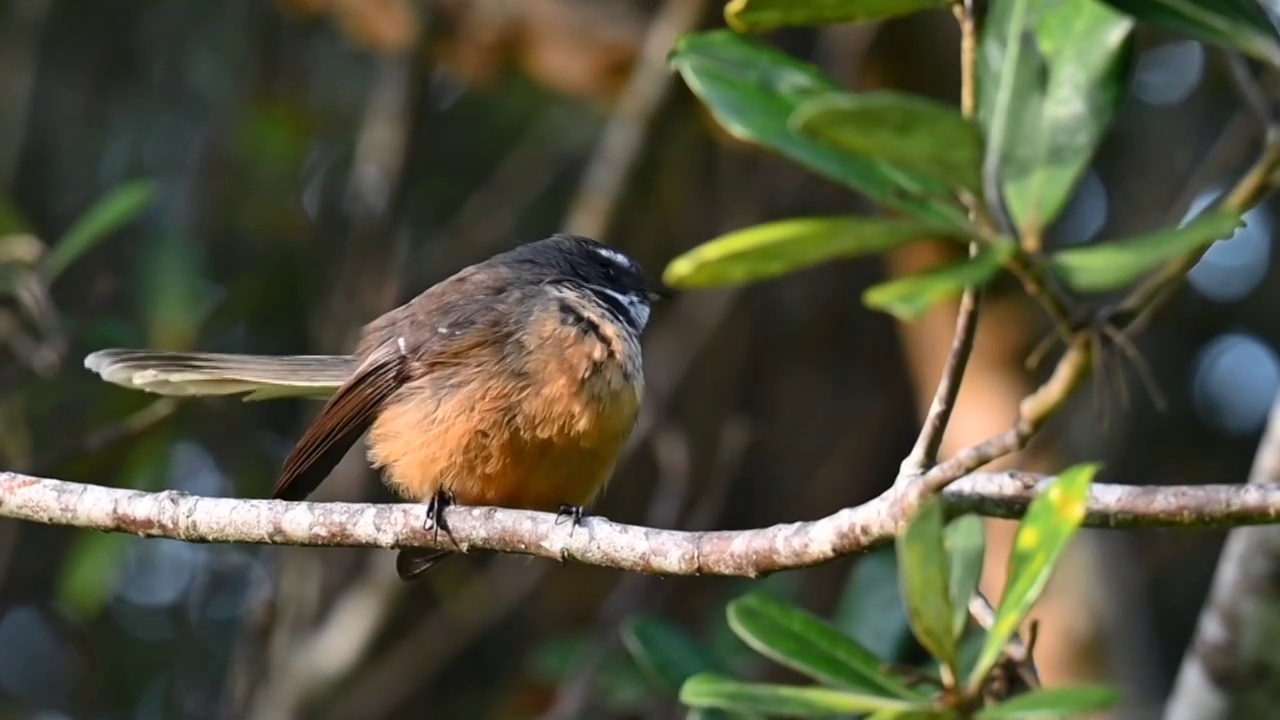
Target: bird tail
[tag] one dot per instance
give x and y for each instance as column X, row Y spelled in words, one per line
column 199, row 373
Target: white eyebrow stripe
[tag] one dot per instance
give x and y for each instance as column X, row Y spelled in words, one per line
column 614, row 256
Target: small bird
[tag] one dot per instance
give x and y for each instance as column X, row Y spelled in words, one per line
column 514, row 382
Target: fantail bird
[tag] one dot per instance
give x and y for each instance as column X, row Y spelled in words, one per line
column 514, row 382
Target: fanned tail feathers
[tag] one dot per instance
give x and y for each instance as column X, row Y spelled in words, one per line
column 190, row 374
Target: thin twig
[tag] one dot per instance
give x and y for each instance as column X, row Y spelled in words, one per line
column 1033, row 411
column 1017, row 654
column 1247, row 87
column 925, row 452
column 1152, row 294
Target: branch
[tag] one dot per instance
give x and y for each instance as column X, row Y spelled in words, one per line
column 1153, row 293
column 1231, row 669
column 598, row 541
column 924, row 454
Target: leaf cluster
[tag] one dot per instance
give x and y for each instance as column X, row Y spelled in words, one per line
column 1050, row 76
column 938, row 566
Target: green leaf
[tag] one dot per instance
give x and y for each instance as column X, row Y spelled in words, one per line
column 871, row 610
column 1051, row 521
column 112, row 212
column 1005, row 80
column 965, row 544
column 1053, row 703
column 713, row 691
column 908, row 131
column 909, row 297
column 752, row 90
column 1239, row 24
column 1117, row 263
column 762, row 15
column 666, row 652
column 765, row 251
column 803, row 642
column 968, row 648
column 1050, row 81
column 924, row 571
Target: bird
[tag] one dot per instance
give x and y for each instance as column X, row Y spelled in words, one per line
column 514, row 382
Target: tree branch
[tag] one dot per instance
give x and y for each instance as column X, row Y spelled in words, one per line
column 1231, row 668
column 924, row 454
column 601, row 542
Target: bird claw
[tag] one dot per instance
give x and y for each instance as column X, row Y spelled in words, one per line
column 435, row 514
column 571, row 513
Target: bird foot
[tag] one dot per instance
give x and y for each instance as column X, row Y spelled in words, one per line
column 435, row 514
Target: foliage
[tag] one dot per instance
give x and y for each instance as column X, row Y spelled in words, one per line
column 939, row 564
column 1051, row 74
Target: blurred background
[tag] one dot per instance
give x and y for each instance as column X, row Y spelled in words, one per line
column 265, row 176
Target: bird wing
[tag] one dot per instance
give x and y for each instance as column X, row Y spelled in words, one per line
column 342, row 420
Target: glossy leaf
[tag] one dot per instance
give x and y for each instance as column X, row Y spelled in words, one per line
column 909, row 297
column 752, row 90
column 924, row 571
column 871, row 610
column 968, row 648
column 1006, row 80
column 1239, row 24
column 666, row 651
column 909, row 131
column 713, row 691
column 112, row 212
column 803, row 642
column 1051, row 521
column 761, row 15
column 1050, row 81
column 1117, row 263
column 1053, row 703
column 965, row 544
column 765, row 251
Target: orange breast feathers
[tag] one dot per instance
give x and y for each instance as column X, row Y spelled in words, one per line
column 536, row 424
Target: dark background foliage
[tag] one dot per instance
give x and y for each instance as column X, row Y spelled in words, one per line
column 315, row 162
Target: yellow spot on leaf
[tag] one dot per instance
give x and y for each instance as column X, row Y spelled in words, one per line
column 1028, row 538
column 1055, row 494
column 1073, row 511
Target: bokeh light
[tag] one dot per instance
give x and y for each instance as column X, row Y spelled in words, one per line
column 1234, row 381
column 1168, row 74
column 1233, row 268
